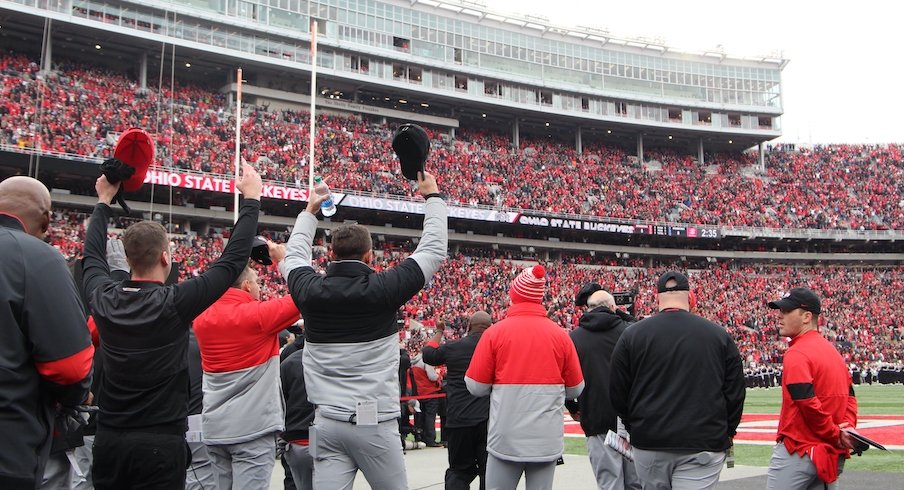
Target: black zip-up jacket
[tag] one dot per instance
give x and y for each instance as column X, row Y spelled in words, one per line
column 462, row 408
column 594, row 339
column 144, row 325
column 46, row 351
column 299, row 411
column 677, row 383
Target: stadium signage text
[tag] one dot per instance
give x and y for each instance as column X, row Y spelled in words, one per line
column 216, row 184
column 576, row 224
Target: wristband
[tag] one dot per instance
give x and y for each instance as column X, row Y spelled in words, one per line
column 435, row 194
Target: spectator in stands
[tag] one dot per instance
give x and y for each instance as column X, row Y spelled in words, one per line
column 144, row 400
column 594, row 340
column 680, row 424
column 528, row 365
column 47, row 354
column 467, row 414
column 818, row 401
column 350, row 315
column 243, row 405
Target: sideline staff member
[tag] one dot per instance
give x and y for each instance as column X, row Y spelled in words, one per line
column 817, row 401
column 144, row 326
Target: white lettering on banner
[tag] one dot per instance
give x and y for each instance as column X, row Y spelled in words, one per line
column 216, row 184
column 533, row 220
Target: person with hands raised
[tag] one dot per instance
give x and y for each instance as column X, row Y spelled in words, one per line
column 351, row 356
column 144, row 329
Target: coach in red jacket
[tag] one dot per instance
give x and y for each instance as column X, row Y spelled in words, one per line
column 243, row 402
column 817, row 401
column 530, row 365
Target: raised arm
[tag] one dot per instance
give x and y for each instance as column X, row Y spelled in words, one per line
column 196, row 295
column 298, row 248
column 432, row 249
column 96, row 271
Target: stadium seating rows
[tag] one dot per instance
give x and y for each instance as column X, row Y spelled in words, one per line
column 831, row 187
column 860, row 303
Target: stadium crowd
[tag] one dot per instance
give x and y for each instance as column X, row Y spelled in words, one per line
column 72, row 109
column 861, row 317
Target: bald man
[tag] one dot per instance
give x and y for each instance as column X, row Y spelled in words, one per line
column 47, row 355
column 466, row 414
column 677, row 383
column 598, row 331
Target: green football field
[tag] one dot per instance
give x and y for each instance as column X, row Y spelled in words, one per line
column 872, row 400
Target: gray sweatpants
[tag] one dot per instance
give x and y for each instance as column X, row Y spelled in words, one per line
column 301, row 464
column 505, row 475
column 244, row 465
column 792, row 472
column 340, row 449
column 612, row 471
column 664, row 470
column 200, row 475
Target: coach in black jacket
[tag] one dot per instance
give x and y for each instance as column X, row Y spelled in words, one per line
column 595, row 339
column 466, row 414
column 351, row 354
column 46, row 353
column 678, row 385
column 144, row 329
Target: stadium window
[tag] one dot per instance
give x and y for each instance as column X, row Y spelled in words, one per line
column 765, row 122
column 461, row 82
column 456, row 55
column 401, row 44
column 321, row 26
column 414, row 74
column 621, row 108
column 675, row 115
column 398, row 71
column 544, row 97
column 734, row 120
column 585, row 104
column 704, row 117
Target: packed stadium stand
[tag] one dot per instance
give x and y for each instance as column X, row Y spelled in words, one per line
column 826, row 187
column 801, row 204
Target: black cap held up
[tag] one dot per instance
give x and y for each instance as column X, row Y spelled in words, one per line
column 680, row 279
column 584, row 294
column 802, row 298
column 259, row 251
column 412, row 146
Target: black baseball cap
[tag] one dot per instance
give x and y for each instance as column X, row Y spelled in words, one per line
column 259, row 251
column 412, row 145
column 681, row 282
column 803, row 298
column 584, row 294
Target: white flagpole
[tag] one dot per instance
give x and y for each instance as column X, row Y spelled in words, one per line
column 313, row 125
column 238, row 140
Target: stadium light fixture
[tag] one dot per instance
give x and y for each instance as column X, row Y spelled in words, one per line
column 547, row 124
column 403, row 101
column 608, row 131
column 97, row 46
column 188, row 65
column 424, row 104
column 483, row 115
column 730, row 142
column 670, row 136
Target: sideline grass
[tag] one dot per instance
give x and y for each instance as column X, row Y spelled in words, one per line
column 872, row 400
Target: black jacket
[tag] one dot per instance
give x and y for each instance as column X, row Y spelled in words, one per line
column 299, row 411
column 595, row 339
column 677, row 383
column 144, row 325
column 462, row 408
column 46, row 351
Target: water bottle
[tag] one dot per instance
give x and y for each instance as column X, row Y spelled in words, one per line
column 327, row 207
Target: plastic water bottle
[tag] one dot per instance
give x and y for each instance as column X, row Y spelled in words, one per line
column 327, row 207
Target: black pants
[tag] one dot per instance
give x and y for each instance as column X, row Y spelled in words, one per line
column 467, row 456
column 139, row 460
column 427, row 421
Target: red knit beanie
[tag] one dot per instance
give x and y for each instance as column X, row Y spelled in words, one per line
column 529, row 286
